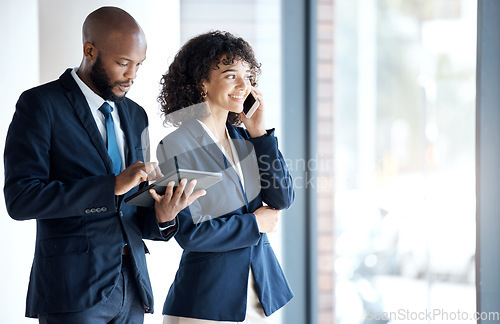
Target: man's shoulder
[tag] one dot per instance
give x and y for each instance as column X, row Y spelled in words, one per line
column 134, row 109
column 43, row 88
column 49, row 88
column 131, row 104
column 48, row 92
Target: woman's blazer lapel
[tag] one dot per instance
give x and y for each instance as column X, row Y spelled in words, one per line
column 248, row 162
column 213, row 155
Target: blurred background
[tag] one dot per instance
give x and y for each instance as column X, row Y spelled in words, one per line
column 404, row 157
column 383, row 93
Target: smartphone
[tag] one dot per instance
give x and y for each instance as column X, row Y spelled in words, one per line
column 250, row 105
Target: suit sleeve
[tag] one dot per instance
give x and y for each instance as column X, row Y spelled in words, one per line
column 199, row 231
column 31, row 191
column 219, row 234
column 151, row 230
column 276, row 182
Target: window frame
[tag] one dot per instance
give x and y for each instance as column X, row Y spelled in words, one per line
column 487, row 157
column 299, row 117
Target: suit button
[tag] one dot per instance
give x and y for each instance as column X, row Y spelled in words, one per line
column 92, row 210
column 104, row 209
column 98, row 210
column 87, row 211
column 121, row 214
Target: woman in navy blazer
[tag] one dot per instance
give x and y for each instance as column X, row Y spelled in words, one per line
column 228, row 271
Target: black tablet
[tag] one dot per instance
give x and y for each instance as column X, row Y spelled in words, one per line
column 144, row 199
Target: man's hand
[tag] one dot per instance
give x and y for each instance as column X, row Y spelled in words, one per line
column 267, row 219
column 167, row 206
column 134, row 175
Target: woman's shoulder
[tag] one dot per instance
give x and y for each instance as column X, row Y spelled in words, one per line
column 174, row 140
column 237, row 131
column 188, row 130
column 181, row 140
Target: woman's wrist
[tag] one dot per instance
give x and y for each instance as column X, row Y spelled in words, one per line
column 257, row 133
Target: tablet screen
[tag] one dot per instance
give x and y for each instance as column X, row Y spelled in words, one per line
column 143, row 197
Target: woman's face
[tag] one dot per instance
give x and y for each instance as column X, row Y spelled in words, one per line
column 228, row 86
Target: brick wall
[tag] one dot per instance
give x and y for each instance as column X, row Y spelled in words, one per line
column 325, row 100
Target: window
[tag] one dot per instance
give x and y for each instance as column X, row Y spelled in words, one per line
column 404, row 154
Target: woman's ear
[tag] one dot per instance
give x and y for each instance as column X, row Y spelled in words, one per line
column 204, row 91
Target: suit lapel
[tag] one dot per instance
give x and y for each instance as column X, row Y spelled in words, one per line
column 125, row 123
column 205, row 143
column 82, row 109
column 244, row 149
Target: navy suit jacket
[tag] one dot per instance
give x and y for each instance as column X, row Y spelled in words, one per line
column 58, row 171
column 219, row 232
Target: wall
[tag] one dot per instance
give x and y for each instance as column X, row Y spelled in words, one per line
column 325, row 121
column 19, row 58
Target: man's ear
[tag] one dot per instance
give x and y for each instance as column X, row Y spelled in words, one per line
column 89, row 51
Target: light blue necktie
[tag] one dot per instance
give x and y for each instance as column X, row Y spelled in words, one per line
column 111, row 142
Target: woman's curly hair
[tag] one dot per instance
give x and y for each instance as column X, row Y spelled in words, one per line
column 181, row 87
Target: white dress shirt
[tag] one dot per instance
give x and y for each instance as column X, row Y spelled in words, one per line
column 236, row 165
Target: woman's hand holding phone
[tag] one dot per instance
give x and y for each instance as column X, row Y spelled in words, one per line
column 255, row 123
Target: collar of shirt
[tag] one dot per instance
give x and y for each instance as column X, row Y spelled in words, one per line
column 93, row 99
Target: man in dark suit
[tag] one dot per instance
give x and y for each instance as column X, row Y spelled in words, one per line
column 72, row 154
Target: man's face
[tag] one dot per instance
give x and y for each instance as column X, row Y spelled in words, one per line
column 116, row 66
column 103, row 83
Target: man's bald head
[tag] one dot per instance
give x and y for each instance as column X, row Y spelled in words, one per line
column 114, row 47
column 107, row 22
